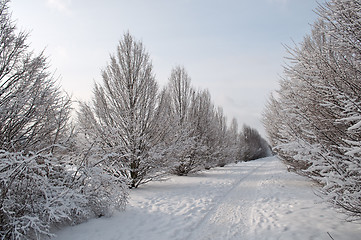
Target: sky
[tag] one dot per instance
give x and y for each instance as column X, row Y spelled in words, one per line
column 233, row 48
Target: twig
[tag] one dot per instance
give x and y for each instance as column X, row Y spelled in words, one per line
column 330, row 236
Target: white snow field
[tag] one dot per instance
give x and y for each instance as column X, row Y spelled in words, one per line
column 250, row 200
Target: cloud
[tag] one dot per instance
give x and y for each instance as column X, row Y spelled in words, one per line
column 60, row 5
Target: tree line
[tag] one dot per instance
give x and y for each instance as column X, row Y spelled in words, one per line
column 54, row 170
column 314, row 119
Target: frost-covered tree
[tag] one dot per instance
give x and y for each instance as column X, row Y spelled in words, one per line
column 181, row 139
column 124, row 119
column 202, row 117
column 233, row 143
column 314, row 120
column 198, row 137
column 33, row 112
column 210, row 129
column 36, row 186
column 219, row 142
column 180, row 93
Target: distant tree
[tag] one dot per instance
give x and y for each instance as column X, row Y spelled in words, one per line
column 124, row 117
column 233, row 144
column 253, row 146
column 198, row 136
column 219, row 142
column 210, row 128
column 314, row 120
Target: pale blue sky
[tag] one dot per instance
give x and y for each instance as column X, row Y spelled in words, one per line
column 233, row 48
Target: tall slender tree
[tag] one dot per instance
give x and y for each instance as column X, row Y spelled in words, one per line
column 123, row 117
column 182, row 141
column 181, row 93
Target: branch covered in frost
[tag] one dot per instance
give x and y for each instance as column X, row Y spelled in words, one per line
column 314, row 121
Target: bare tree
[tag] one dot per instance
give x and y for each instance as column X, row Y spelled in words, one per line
column 34, row 113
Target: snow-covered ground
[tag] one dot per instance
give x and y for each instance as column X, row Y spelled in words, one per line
column 253, row 200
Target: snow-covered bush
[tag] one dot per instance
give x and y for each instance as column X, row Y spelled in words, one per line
column 314, row 120
column 35, row 185
column 40, row 191
column 105, row 190
column 36, row 193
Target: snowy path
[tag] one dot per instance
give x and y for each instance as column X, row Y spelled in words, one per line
column 228, row 218
column 254, row 200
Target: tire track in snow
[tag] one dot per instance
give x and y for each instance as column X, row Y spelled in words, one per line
column 201, row 226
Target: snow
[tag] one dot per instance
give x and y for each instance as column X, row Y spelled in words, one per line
column 250, row 200
column 355, row 126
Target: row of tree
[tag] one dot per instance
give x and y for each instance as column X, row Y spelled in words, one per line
column 54, row 171
column 314, row 120
column 145, row 132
